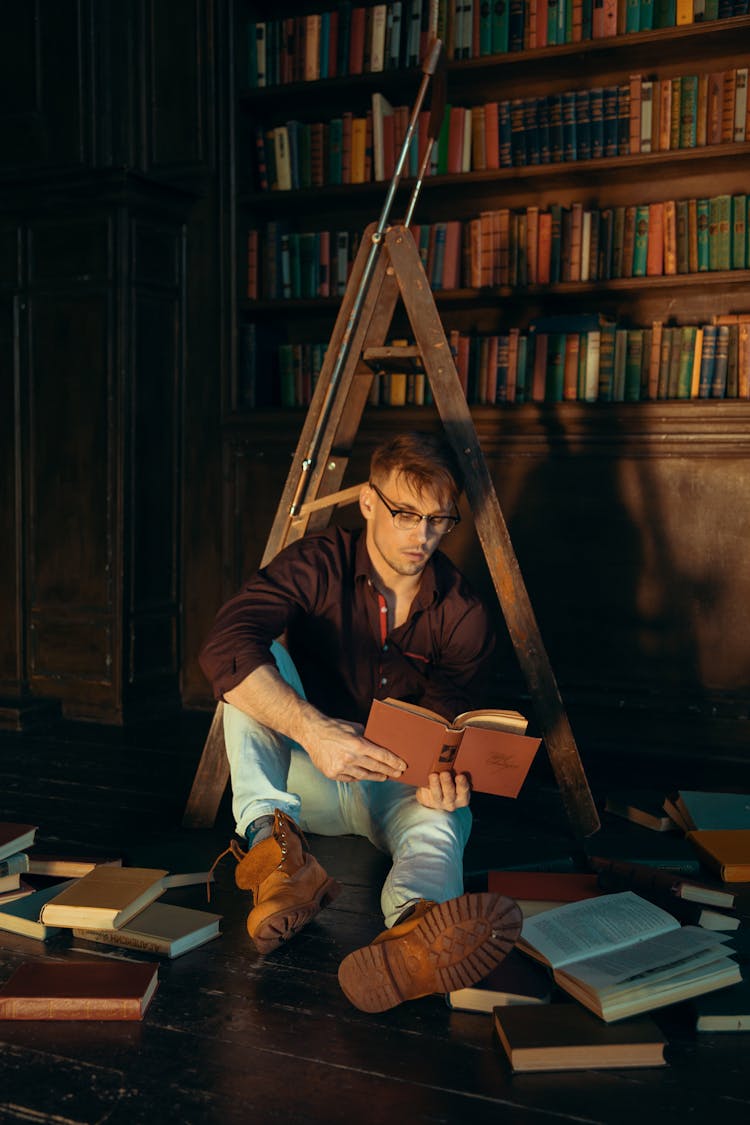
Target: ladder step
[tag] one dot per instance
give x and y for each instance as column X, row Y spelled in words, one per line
column 394, row 358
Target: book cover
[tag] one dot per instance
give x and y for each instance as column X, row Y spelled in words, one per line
column 15, row 837
column 487, row 745
column 22, row 915
column 643, row 878
column 535, row 891
column 565, row 1037
column 79, row 990
column 107, row 896
column 724, row 850
column 621, row 955
column 704, row 809
column 16, row 864
column 667, row 850
column 160, row 928
column 516, row 980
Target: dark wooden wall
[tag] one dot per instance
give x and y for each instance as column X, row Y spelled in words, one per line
column 132, row 498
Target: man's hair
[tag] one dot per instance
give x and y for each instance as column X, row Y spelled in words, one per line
column 426, row 460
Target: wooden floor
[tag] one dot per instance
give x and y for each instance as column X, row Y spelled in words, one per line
column 234, row 1037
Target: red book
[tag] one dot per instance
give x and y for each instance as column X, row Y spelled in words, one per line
column 452, row 255
column 545, row 247
column 456, row 139
column 492, row 135
column 357, row 40
column 655, row 249
column 79, row 990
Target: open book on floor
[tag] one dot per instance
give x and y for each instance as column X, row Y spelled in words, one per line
column 620, row 955
column 490, row 746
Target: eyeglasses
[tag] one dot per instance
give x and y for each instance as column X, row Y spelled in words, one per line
column 404, row 520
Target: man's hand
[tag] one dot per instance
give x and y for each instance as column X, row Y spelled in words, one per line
column 445, row 791
column 338, row 750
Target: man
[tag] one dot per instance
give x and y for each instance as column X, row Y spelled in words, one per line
column 364, row 615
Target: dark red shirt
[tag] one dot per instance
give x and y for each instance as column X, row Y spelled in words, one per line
column 319, row 591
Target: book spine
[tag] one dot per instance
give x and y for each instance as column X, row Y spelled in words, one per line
column 73, row 1008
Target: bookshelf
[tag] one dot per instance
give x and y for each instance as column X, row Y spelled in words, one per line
column 618, row 510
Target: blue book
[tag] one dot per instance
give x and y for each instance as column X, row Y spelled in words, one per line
column 583, row 125
column 596, row 122
column 516, row 21
column 703, row 209
column 587, row 16
column 505, row 134
column 610, row 121
column 570, row 142
column 552, row 40
column 556, row 139
column 633, row 15
column 646, row 15
column 485, row 27
column 708, row 359
column 325, row 43
column 706, row 810
column 665, row 13
column 640, row 245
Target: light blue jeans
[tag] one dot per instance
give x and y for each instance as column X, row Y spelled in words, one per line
column 270, row 771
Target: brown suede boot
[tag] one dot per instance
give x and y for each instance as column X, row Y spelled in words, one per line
column 288, row 884
column 437, row 948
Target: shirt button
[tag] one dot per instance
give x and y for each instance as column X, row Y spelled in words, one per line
column 383, row 681
column 385, row 648
column 384, row 609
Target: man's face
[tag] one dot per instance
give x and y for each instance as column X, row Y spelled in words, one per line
column 402, row 552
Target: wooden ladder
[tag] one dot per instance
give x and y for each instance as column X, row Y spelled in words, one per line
column 388, row 267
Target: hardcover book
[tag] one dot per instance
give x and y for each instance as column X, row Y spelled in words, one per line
column 22, row 915
column 535, row 891
column 489, row 745
column 15, row 837
column 728, row 1010
column 79, row 990
column 726, row 851
column 565, row 1037
column 160, row 928
column 702, row 809
column 644, row 807
column 516, row 980
column 620, row 955
column 107, row 896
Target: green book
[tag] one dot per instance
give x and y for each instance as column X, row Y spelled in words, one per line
column 646, row 16
column 633, row 15
column 721, row 362
column 708, row 359
column 618, row 375
column 555, row 367
column 665, row 359
column 719, row 227
column 633, row 365
column 688, row 334
column 640, row 244
column 665, row 13
column 688, row 110
column 702, row 210
column 500, row 23
column 607, row 363
column 739, row 232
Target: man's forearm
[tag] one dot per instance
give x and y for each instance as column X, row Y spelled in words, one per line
column 269, row 699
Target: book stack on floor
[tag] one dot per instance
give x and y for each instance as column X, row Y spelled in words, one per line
column 76, row 990
column 14, row 860
column 717, row 827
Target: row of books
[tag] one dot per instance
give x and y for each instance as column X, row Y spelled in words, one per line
column 643, row 115
column 351, row 39
column 583, row 358
column 534, row 246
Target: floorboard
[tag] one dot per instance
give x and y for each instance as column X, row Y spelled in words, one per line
column 235, row 1037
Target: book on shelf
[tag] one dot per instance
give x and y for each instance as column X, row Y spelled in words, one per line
column 724, row 850
column 620, row 955
column 566, row 1037
column 644, row 807
column 490, row 745
column 535, row 891
column 516, row 980
column 15, row 837
column 23, row 915
column 160, row 928
column 79, row 990
column 727, row 1010
column 694, row 808
column 106, row 896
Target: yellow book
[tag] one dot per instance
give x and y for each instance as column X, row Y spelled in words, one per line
column 684, row 11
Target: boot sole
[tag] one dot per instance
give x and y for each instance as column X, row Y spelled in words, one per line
column 280, row 927
column 453, row 946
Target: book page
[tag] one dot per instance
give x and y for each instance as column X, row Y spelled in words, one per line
column 664, row 955
column 493, row 720
column 595, row 925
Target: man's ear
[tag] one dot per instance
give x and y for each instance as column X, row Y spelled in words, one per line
column 367, row 502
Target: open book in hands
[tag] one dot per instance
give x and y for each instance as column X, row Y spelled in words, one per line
column 489, row 746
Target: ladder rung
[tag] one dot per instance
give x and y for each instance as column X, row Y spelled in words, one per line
column 394, row 358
